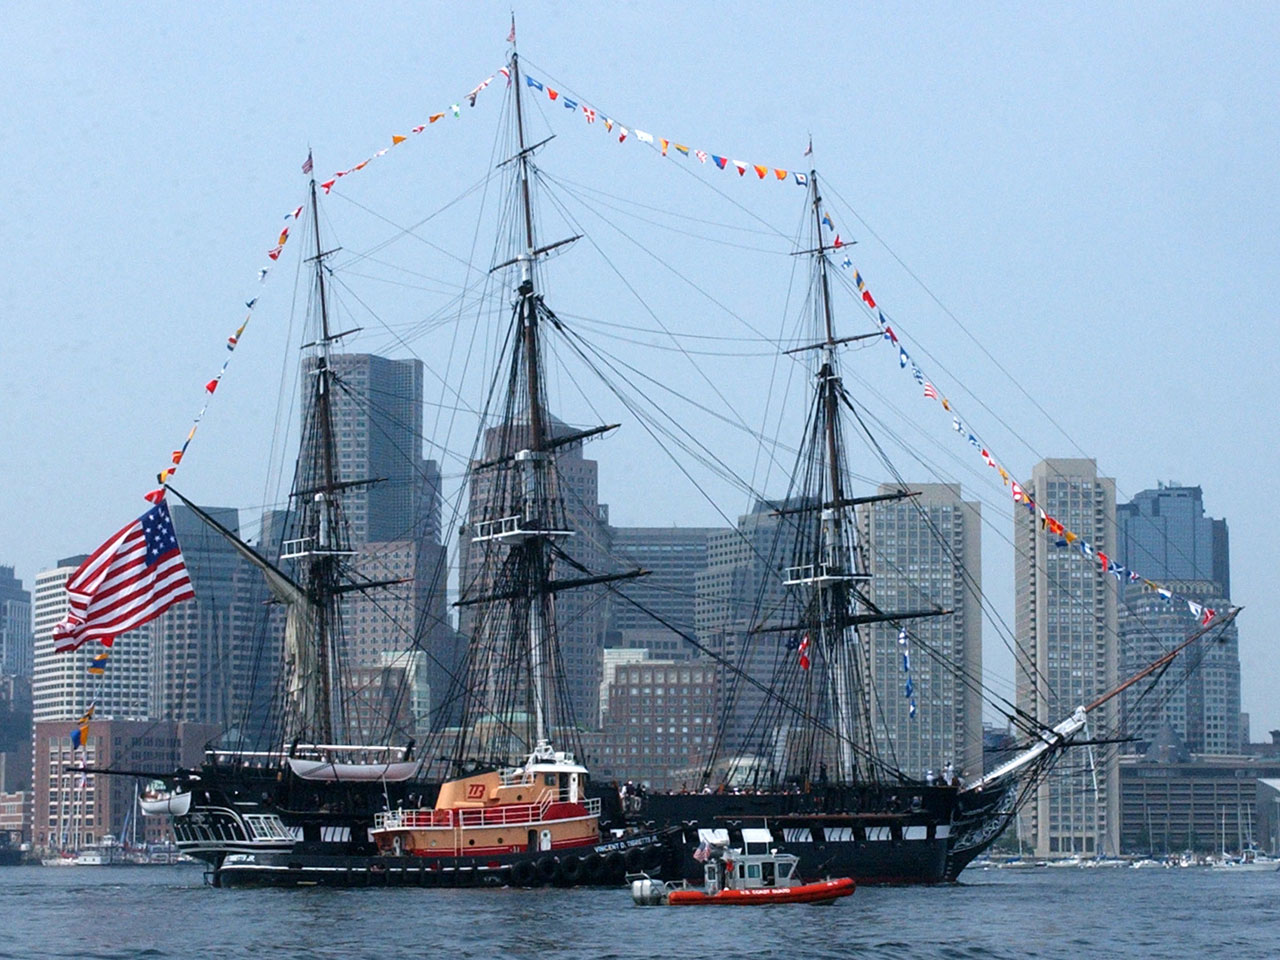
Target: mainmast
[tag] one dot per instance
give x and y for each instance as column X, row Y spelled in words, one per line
column 531, row 533
column 535, row 520
column 532, row 460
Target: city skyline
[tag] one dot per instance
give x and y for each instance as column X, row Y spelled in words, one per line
column 1183, row 190
column 634, row 544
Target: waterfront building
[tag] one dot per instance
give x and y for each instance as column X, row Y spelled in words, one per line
column 1065, row 620
column 1172, row 800
column 610, row 659
column 925, row 551
column 17, row 649
column 71, row 810
column 15, row 816
column 659, row 723
column 1267, row 804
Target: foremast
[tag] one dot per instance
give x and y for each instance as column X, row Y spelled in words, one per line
column 315, row 693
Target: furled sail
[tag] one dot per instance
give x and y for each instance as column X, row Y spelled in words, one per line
column 301, row 663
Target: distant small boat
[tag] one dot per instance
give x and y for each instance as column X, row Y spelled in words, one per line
column 737, row 878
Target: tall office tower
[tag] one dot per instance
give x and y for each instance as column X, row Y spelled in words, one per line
column 202, row 658
column 927, row 552
column 394, row 523
column 674, row 556
column 391, row 700
column 17, row 651
column 1065, row 612
column 15, row 733
column 402, row 615
column 62, row 688
column 739, row 587
column 1165, row 536
column 580, row 613
column 376, row 411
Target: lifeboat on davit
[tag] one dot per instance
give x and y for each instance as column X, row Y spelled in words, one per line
column 733, row 877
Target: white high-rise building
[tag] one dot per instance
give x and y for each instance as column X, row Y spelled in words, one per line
column 63, row 688
column 926, row 552
column 1066, row 639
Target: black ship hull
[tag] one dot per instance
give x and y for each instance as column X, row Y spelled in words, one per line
column 904, row 834
column 605, row 865
column 263, row 826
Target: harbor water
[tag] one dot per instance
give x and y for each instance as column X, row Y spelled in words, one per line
column 160, row 912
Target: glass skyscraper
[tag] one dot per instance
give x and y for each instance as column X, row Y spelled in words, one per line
column 1165, row 536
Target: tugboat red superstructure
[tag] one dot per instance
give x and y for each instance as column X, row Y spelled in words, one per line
column 537, row 808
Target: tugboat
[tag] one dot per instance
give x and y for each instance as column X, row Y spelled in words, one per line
column 537, row 810
column 733, row 877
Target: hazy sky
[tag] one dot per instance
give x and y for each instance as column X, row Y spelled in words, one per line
column 1088, row 191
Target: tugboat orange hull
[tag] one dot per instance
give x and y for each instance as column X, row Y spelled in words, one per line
column 805, row 893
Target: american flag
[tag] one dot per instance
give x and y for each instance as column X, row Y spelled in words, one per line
column 308, row 165
column 134, row 577
column 703, row 852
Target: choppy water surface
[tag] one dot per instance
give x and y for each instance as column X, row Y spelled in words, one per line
column 160, row 912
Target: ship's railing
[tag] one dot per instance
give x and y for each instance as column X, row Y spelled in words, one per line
column 515, row 778
column 507, row 814
column 345, row 752
column 818, row 573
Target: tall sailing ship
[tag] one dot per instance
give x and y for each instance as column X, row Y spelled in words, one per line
column 501, row 792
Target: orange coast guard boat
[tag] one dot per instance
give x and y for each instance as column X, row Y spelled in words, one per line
column 733, row 877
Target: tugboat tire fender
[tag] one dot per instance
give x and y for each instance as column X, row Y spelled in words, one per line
column 592, row 867
column 524, row 874
column 547, row 868
column 635, row 859
column 569, row 871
